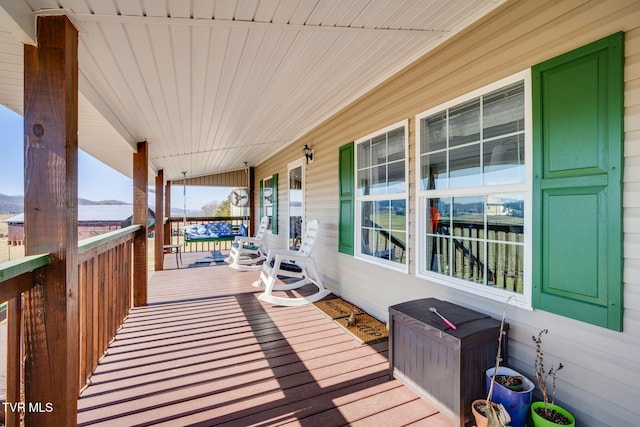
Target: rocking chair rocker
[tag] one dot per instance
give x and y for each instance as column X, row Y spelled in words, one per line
column 292, row 263
column 247, row 252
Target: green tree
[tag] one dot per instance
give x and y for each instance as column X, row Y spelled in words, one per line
column 224, row 209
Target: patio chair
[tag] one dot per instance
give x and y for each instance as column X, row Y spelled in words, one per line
column 292, row 264
column 247, row 252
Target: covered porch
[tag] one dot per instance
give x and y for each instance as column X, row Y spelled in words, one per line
column 206, row 351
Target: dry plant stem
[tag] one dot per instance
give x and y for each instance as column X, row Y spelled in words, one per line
column 490, row 408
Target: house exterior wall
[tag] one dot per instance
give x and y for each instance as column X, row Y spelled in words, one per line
column 600, row 383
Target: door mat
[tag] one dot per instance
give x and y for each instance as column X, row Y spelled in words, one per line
column 336, row 308
column 366, row 329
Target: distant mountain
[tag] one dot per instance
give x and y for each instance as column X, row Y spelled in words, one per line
column 11, row 204
column 15, row 204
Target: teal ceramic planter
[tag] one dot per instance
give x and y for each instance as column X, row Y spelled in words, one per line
column 538, row 421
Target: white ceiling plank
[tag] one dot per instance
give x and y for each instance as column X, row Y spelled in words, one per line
column 285, row 11
column 200, row 48
column 78, row 6
column 266, row 10
column 203, row 9
column 246, row 10
column 225, row 10
column 180, row 39
column 326, row 9
column 142, row 48
column 37, row 5
column 345, row 17
column 156, row 8
column 102, row 7
column 179, row 9
column 304, row 10
column 129, row 8
column 98, row 64
column 219, row 40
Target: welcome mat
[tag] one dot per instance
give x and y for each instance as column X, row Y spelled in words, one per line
column 365, row 328
column 336, row 308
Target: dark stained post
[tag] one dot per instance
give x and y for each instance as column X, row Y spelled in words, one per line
column 252, row 198
column 51, row 315
column 140, row 182
column 167, row 212
column 159, row 233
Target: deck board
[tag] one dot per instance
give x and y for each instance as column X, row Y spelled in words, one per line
column 206, row 351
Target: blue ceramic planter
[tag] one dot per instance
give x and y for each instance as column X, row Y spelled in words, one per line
column 516, row 403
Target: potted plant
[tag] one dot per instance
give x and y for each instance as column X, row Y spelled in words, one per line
column 545, row 413
column 513, row 390
column 486, row 412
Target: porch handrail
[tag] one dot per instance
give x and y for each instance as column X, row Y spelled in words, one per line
column 88, row 248
column 13, row 274
column 105, row 285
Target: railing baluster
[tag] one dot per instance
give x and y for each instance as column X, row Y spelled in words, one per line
column 14, row 359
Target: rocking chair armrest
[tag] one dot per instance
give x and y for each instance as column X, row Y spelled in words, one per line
column 246, row 239
column 272, row 253
column 296, row 257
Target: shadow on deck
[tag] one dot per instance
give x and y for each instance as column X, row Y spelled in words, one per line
column 206, row 351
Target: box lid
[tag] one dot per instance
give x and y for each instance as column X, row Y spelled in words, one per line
column 467, row 321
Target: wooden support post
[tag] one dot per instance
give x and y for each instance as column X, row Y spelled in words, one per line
column 159, row 233
column 51, row 315
column 140, row 182
column 252, row 198
column 167, row 213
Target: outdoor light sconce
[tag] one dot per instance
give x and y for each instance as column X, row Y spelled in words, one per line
column 308, row 153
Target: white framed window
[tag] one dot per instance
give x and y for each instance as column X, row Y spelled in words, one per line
column 381, row 188
column 474, row 191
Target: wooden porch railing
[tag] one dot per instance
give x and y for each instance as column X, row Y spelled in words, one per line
column 105, row 298
column 176, row 231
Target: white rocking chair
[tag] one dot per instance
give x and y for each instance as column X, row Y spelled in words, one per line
column 247, row 252
column 292, row 263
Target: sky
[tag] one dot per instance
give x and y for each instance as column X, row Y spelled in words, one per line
column 96, row 180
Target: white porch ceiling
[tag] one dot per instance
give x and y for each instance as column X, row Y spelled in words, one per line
column 211, row 84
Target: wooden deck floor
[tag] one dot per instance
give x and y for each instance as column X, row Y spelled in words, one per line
column 206, row 352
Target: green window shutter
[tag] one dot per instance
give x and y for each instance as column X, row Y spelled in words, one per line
column 274, row 220
column 347, row 199
column 577, row 189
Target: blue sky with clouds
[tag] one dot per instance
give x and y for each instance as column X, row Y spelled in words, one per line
column 96, row 181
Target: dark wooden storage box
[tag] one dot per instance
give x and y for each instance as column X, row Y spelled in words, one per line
column 443, row 365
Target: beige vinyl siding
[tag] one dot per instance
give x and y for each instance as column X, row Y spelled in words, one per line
column 601, row 380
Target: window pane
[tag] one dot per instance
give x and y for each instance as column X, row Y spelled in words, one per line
column 381, row 214
column 504, row 160
column 379, row 150
column 395, row 145
column 434, row 171
column 396, row 177
column 364, row 154
column 465, row 166
column 506, row 266
column 364, row 182
column 468, row 260
column 464, row 123
column 468, row 216
column 379, row 180
column 503, row 111
column 398, row 214
column 438, row 254
column 434, row 133
column 438, row 216
column 505, row 217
